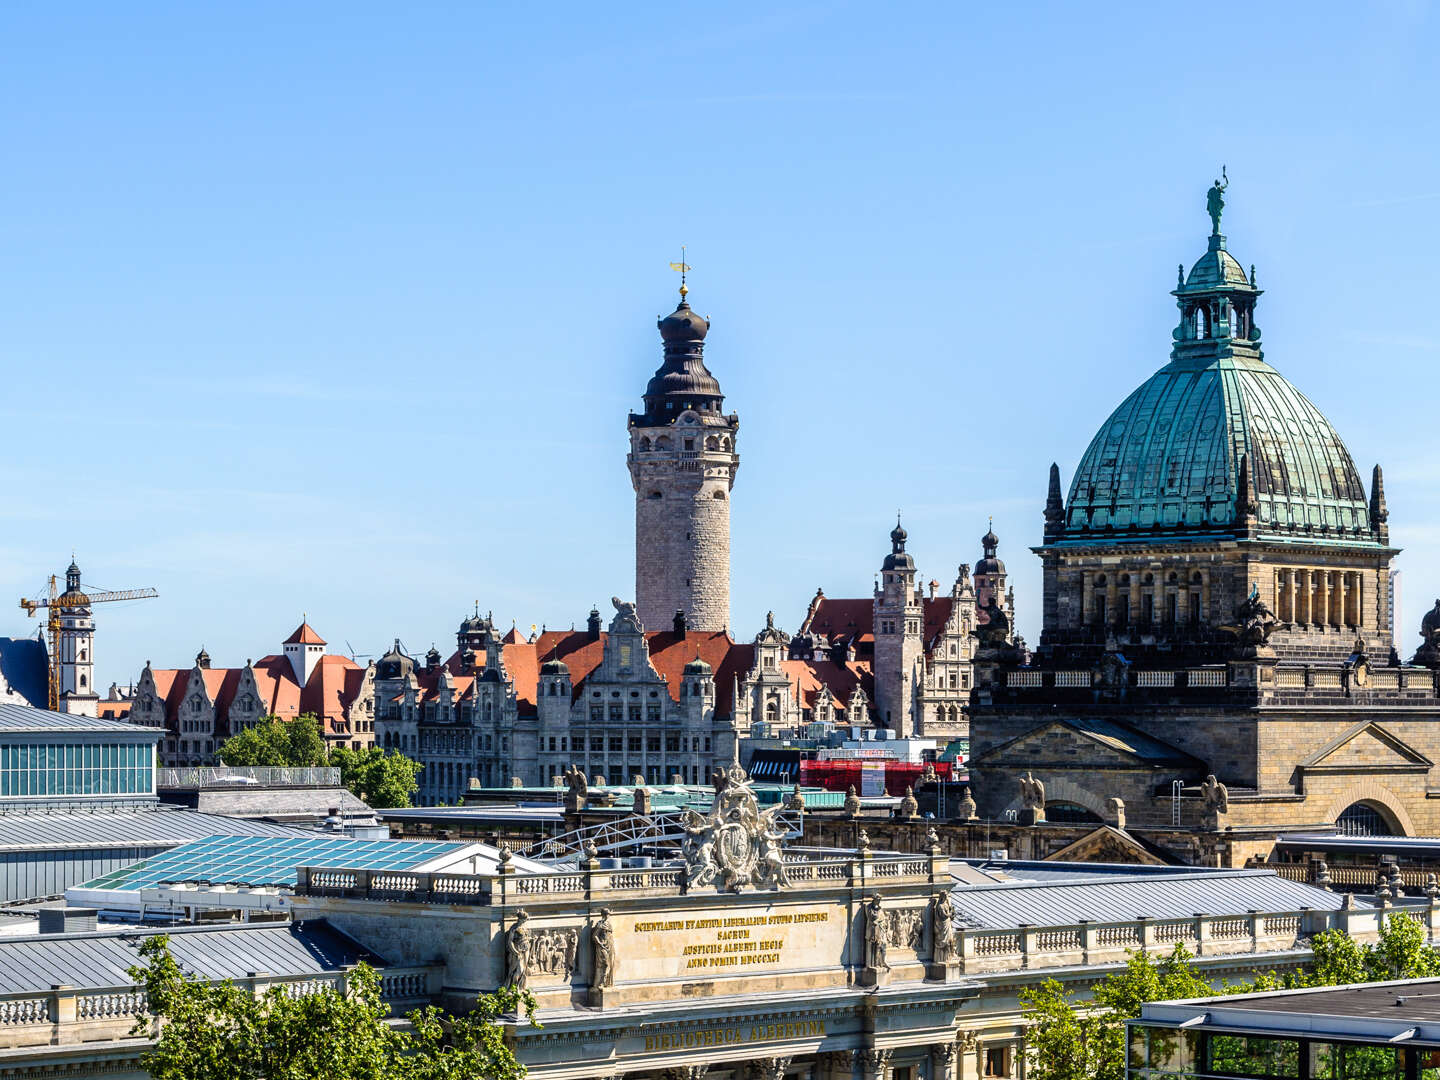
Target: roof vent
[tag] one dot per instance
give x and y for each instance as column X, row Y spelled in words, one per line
column 67, row 920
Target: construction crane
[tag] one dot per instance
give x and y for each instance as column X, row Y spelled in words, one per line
column 57, row 604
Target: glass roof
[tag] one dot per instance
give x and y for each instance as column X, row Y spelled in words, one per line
column 267, row 860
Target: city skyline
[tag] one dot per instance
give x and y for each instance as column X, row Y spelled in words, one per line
column 377, row 393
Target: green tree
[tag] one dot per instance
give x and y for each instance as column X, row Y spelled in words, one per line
column 218, row 1031
column 1400, row 953
column 1070, row 1040
column 1066, row 1042
column 383, row 779
column 276, row 742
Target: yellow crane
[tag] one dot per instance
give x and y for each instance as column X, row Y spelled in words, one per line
column 72, row 599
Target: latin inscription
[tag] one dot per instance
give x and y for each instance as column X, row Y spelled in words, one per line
column 690, row 1040
column 738, row 941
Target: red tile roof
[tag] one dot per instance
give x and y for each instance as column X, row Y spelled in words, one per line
column 304, row 635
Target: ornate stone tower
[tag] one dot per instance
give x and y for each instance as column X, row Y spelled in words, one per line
column 682, row 463
column 899, row 642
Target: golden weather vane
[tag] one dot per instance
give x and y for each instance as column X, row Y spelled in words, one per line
column 683, row 267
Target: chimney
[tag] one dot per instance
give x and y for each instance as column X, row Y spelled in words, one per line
column 592, row 625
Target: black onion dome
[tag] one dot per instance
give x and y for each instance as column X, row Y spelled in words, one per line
column 556, row 668
column 682, row 381
column 990, row 564
column 698, row 667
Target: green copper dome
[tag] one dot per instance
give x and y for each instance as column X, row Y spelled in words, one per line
column 1168, row 461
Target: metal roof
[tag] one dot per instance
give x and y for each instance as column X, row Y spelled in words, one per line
column 82, row 831
column 1123, row 898
column 101, row 959
column 21, row 720
column 269, row 860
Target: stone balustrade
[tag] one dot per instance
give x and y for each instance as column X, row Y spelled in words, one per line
column 69, row 1014
column 1203, row 935
column 589, row 881
column 1333, row 678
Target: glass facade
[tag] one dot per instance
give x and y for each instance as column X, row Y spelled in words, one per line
column 1157, row 1053
column 60, row 769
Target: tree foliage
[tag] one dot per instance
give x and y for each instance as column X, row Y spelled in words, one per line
column 218, row 1031
column 382, row 779
column 274, row 742
column 1068, row 1039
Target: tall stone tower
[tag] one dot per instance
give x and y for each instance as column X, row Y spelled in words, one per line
column 76, row 657
column 682, row 463
column 899, row 641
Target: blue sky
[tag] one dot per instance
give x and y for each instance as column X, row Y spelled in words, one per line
column 340, row 309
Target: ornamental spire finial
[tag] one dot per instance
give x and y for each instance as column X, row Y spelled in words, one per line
column 683, row 267
column 1215, row 201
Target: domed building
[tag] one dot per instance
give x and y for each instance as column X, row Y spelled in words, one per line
column 1215, row 475
column 1217, row 650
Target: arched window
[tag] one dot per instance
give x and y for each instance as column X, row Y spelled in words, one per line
column 82, row 682
column 645, row 443
column 718, row 495
column 82, row 656
column 712, row 443
column 1364, row 819
column 772, row 711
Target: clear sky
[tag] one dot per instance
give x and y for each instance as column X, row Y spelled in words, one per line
column 340, row 308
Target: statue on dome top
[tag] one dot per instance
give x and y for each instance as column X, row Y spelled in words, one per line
column 1215, row 201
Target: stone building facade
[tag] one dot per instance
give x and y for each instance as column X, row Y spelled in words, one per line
column 203, row 705
column 1216, row 605
column 913, row 648
column 682, row 464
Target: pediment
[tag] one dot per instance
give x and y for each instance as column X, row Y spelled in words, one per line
column 1364, row 747
column 1106, row 844
column 1060, row 744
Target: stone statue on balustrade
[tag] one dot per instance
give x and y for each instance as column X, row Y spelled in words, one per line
column 1214, row 801
column 1032, row 800
column 909, row 806
column 1254, row 623
column 1428, row 655
column 577, row 788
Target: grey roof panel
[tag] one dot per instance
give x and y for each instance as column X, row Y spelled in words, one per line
column 21, row 719
column 1007, row 905
column 123, row 828
column 101, row 959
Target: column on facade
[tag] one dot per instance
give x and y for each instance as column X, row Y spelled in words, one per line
column 1284, row 599
column 1112, row 595
column 1136, row 604
column 1204, row 595
column 1320, row 611
column 1087, row 599
column 1302, row 597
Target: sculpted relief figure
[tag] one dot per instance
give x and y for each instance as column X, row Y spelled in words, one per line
column 602, row 944
column 699, row 850
column 1032, row 793
column 736, row 844
column 1254, row 622
column 942, row 928
column 876, row 928
column 517, row 952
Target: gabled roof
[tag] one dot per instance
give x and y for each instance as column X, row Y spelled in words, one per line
column 304, row 635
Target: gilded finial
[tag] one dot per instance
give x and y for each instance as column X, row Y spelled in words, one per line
column 683, row 267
